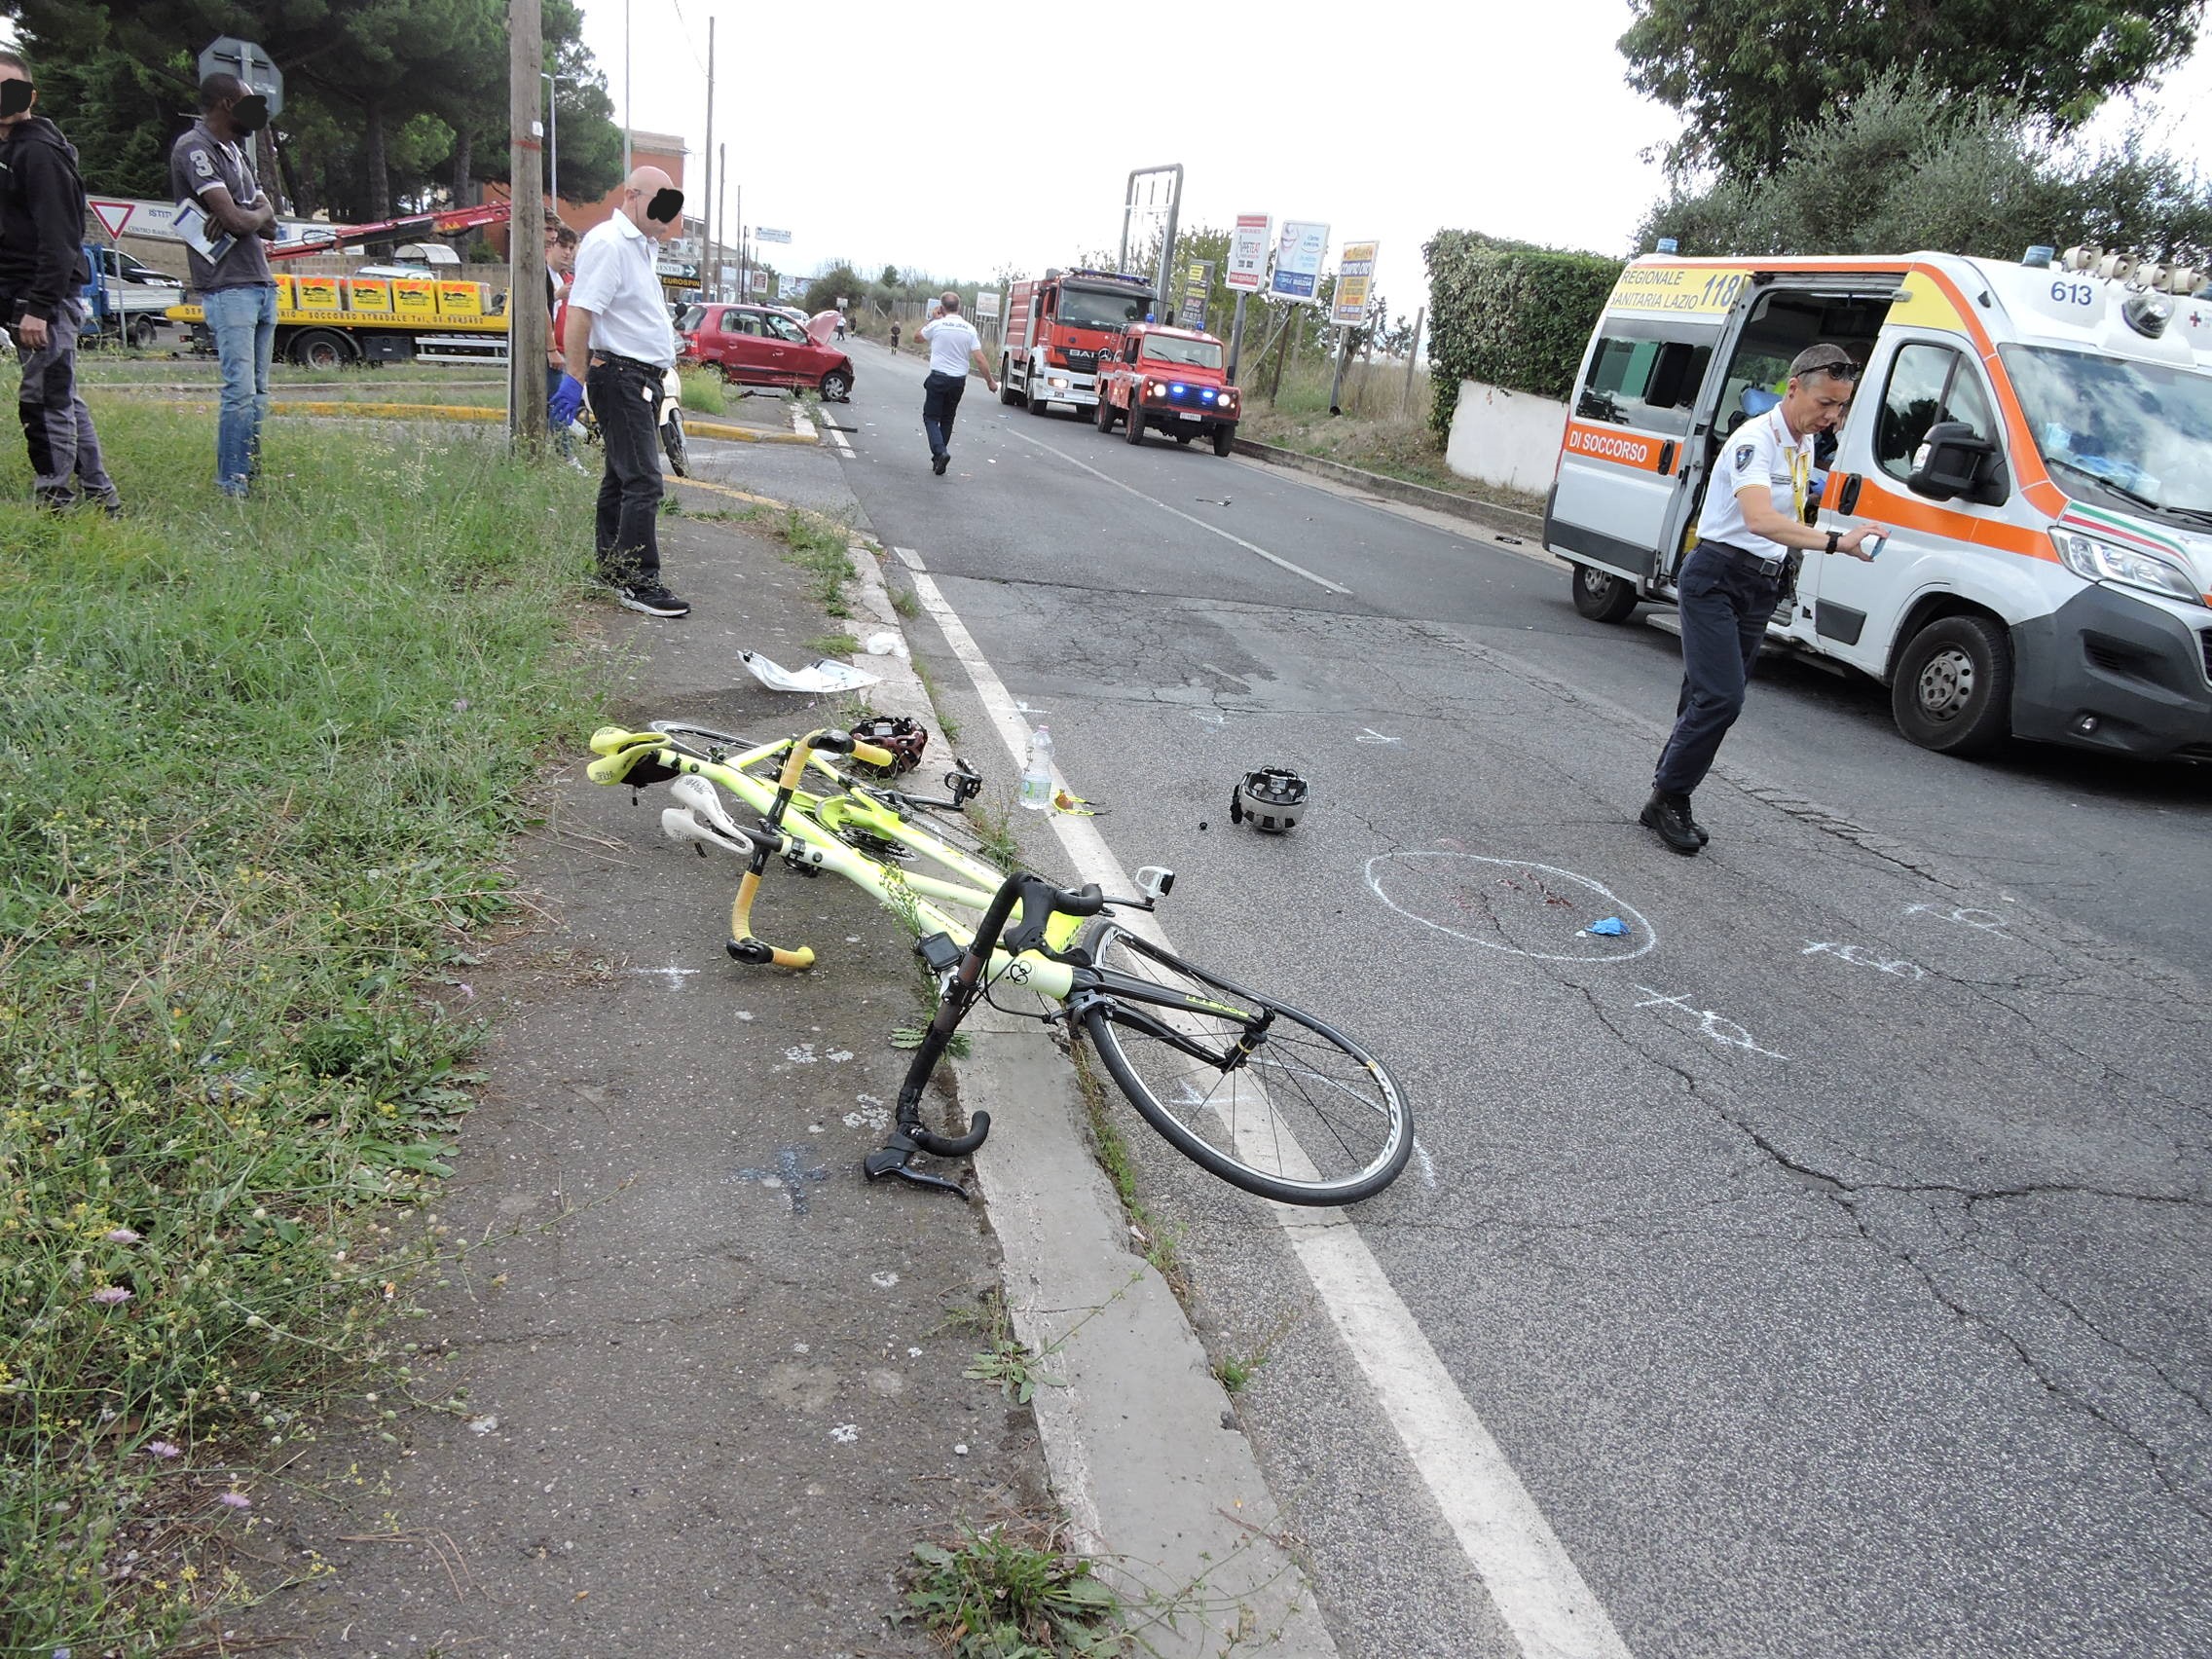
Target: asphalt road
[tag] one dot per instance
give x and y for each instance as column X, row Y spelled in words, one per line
column 1827, row 1255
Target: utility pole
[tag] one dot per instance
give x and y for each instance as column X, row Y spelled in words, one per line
column 526, row 243
column 627, row 122
column 722, row 184
column 707, row 195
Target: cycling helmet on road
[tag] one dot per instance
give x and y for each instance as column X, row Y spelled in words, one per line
column 1273, row 799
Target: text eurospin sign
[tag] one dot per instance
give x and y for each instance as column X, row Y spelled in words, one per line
column 1299, row 251
column 1248, row 252
column 1355, row 284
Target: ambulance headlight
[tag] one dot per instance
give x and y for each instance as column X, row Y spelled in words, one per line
column 2098, row 561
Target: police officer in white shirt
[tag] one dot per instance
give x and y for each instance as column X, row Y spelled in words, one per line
column 619, row 332
column 952, row 341
column 1753, row 515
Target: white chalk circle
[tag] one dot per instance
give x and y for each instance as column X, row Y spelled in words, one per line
column 1509, row 905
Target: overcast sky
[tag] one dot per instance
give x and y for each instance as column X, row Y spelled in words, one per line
column 899, row 134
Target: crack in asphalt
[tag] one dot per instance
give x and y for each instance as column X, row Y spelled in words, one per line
column 1848, row 1195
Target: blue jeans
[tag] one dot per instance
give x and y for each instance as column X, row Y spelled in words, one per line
column 1724, row 605
column 243, row 322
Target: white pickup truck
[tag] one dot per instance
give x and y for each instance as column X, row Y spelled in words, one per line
column 134, row 298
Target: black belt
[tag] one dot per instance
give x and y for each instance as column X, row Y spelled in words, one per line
column 616, row 360
column 1758, row 562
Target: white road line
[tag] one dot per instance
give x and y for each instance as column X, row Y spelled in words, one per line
column 1535, row 1587
column 836, row 437
column 1186, row 518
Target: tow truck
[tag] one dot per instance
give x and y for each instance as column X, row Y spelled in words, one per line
column 326, row 322
column 1057, row 326
column 1169, row 378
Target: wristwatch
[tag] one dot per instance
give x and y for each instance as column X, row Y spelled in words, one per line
column 1834, row 537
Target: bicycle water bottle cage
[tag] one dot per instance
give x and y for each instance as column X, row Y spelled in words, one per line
column 1273, row 799
column 899, row 733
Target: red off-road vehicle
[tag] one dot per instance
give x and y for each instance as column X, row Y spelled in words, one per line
column 1167, row 379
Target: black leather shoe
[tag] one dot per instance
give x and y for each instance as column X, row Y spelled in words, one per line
column 1696, row 829
column 1672, row 819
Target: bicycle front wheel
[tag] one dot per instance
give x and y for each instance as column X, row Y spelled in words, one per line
column 1310, row 1117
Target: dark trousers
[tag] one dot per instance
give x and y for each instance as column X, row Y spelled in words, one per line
column 625, row 400
column 58, row 428
column 1724, row 604
column 940, row 402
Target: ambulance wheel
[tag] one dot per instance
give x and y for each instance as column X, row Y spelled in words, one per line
column 1953, row 690
column 143, row 333
column 1134, row 431
column 320, row 349
column 1602, row 598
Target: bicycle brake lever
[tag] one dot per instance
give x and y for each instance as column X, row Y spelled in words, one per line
column 891, row 1160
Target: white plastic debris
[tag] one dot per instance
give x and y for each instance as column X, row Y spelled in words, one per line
column 817, row 678
column 885, row 644
column 483, row 1424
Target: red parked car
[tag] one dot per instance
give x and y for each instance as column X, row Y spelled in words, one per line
column 756, row 346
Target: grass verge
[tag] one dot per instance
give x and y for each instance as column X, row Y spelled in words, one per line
column 260, row 762
column 818, row 547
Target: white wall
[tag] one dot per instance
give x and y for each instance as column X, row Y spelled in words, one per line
column 1505, row 439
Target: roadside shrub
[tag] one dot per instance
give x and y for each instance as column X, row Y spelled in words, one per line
column 1508, row 314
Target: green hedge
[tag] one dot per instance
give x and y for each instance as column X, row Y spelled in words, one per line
column 1508, row 314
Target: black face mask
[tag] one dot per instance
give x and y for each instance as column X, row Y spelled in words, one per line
column 665, row 205
column 250, row 113
column 15, row 98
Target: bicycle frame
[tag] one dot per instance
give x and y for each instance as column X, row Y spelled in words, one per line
column 802, row 829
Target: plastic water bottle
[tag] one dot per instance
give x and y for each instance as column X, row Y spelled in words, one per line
column 1037, row 776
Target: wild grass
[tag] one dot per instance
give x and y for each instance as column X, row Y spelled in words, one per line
column 1011, row 1591
column 259, row 760
column 703, row 392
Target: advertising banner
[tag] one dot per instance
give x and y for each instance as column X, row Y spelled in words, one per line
column 1299, row 252
column 1355, row 284
column 1248, row 252
column 1197, row 283
column 761, row 232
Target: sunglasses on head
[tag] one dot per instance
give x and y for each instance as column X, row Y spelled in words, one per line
column 1843, row 368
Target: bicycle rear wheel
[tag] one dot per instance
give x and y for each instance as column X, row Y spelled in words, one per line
column 1310, row 1118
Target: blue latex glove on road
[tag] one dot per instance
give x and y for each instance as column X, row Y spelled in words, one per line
column 567, row 400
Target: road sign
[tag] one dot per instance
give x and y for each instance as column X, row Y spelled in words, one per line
column 249, row 63
column 1298, row 253
column 113, row 215
column 1248, row 252
column 987, row 305
column 758, row 280
column 761, row 232
column 1355, row 284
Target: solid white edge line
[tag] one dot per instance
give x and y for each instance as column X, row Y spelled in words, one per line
column 1188, row 518
column 1535, row 1587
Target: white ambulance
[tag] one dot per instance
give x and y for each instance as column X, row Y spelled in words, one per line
column 2036, row 438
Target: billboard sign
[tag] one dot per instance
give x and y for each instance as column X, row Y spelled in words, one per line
column 1299, row 252
column 1248, row 252
column 757, row 280
column 1197, row 284
column 1355, row 284
column 987, row 305
column 761, row 232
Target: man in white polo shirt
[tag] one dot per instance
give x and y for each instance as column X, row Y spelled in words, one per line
column 952, row 341
column 1753, row 516
column 620, row 334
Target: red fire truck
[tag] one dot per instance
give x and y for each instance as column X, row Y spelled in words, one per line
column 1057, row 325
column 1167, row 379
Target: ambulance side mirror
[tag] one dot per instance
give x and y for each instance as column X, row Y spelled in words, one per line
column 1957, row 460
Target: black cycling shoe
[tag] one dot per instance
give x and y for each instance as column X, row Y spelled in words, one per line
column 1670, row 815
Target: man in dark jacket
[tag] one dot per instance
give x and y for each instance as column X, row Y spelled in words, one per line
column 42, row 271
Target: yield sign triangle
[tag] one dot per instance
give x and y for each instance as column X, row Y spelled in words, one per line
column 113, row 215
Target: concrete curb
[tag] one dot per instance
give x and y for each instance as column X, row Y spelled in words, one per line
column 1140, row 1440
column 1511, row 520
column 693, row 426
